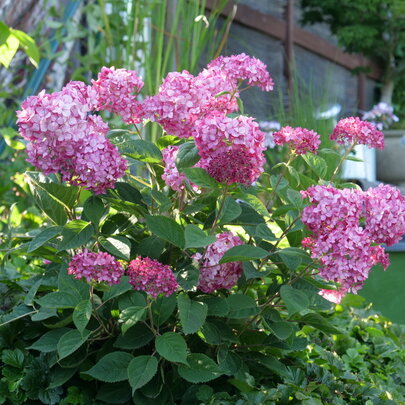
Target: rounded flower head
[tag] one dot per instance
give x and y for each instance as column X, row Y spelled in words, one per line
column 64, row 138
column 214, row 276
column 231, row 149
column 243, row 67
column 115, row 93
column 302, row 140
column 353, row 130
column 385, row 214
column 151, row 276
column 97, row 267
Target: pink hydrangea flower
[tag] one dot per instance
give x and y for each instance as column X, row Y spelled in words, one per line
column 151, row 276
column 385, row 214
column 243, row 67
column 171, row 175
column 97, row 267
column 346, row 224
column 353, row 130
column 302, row 140
column 214, row 276
column 231, row 149
column 64, row 138
column 115, row 90
column 334, row 296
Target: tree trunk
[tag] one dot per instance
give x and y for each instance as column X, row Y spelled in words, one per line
column 387, row 91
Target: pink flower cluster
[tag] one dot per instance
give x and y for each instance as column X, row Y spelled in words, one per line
column 231, row 149
column 353, row 130
column 64, row 138
column 151, row 276
column 302, row 140
column 346, row 225
column 97, row 267
column 214, row 276
column 114, row 89
column 171, row 175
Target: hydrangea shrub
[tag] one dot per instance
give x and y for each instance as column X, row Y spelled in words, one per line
column 182, row 271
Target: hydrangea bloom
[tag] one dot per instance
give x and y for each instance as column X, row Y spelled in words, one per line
column 64, row 138
column 243, row 67
column 381, row 115
column 334, row 296
column 214, row 276
column 385, row 214
column 353, row 130
column 302, row 140
column 97, row 267
column 171, row 175
column 346, row 224
column 151, row 276
column 231, row 149
column 115, row 93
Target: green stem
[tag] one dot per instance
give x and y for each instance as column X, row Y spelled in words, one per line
column 341, row 161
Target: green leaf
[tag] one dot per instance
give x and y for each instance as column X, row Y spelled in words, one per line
column 82, row 314
column 141, row 150
column 76, row 234
column 58, row 299
column 44, row 236
column 192, row 313
column 141, row 370
column 114, row 393
column 187, row 155
column 200, row 369
column 271, row 363
column 8, row 49
column 14, row 358
column 167, row 229
column 294, row 299
column 137, row 336
column 264, row 232
column 188, row 278
column 172, row 347
column 118, row 246
column 112, row 367
column 93, row 209
column 151, row 246
column 129, row 193
column 117, row 289
column 162, row 308
column 281, row 329
column 130, row 316
column 318, row 321
column 217, row 306
column 28, row 44
column 230, row 210
column 243, row 253
column 317, row 164
column 67, row 283
column 241, row 306
column 254, row 202
column 200, row 177
column 59, row 375
column 196, row 237
column 70, row 342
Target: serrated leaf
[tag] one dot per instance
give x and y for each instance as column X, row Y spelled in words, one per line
column 167, row 229
column 188, row 278
column 200, row 369
column 82, row 314
column 200, row 177
column 264, row 232
column 281, row 329
column 14, row 358
column 71, row 341
column 241, row 306
column 93, row 209
column 192, row 313
column 294, row 299
column 319, row 322
column 130, row 316
column 114, row 393
column 44, row 236
column 118, row 246
column 58, row 299
column 172, row 347
column 162, row 308
column 129, row 193
column 141, row 370
column 187, row 155
column 76, row 234
column 196, row 237
column 317, row 164
column 254, row 202
column 141, row 150
column 118, row 289
column 243, row 253
column 230, row 211
column 217, row 306
column 111, row 368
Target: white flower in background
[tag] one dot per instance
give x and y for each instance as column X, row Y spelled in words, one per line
column 381, row 115
column 269, row 127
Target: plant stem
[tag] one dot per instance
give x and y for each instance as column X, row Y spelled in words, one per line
column 341, row 161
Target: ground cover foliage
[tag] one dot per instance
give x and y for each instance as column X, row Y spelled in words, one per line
column 186, row 280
